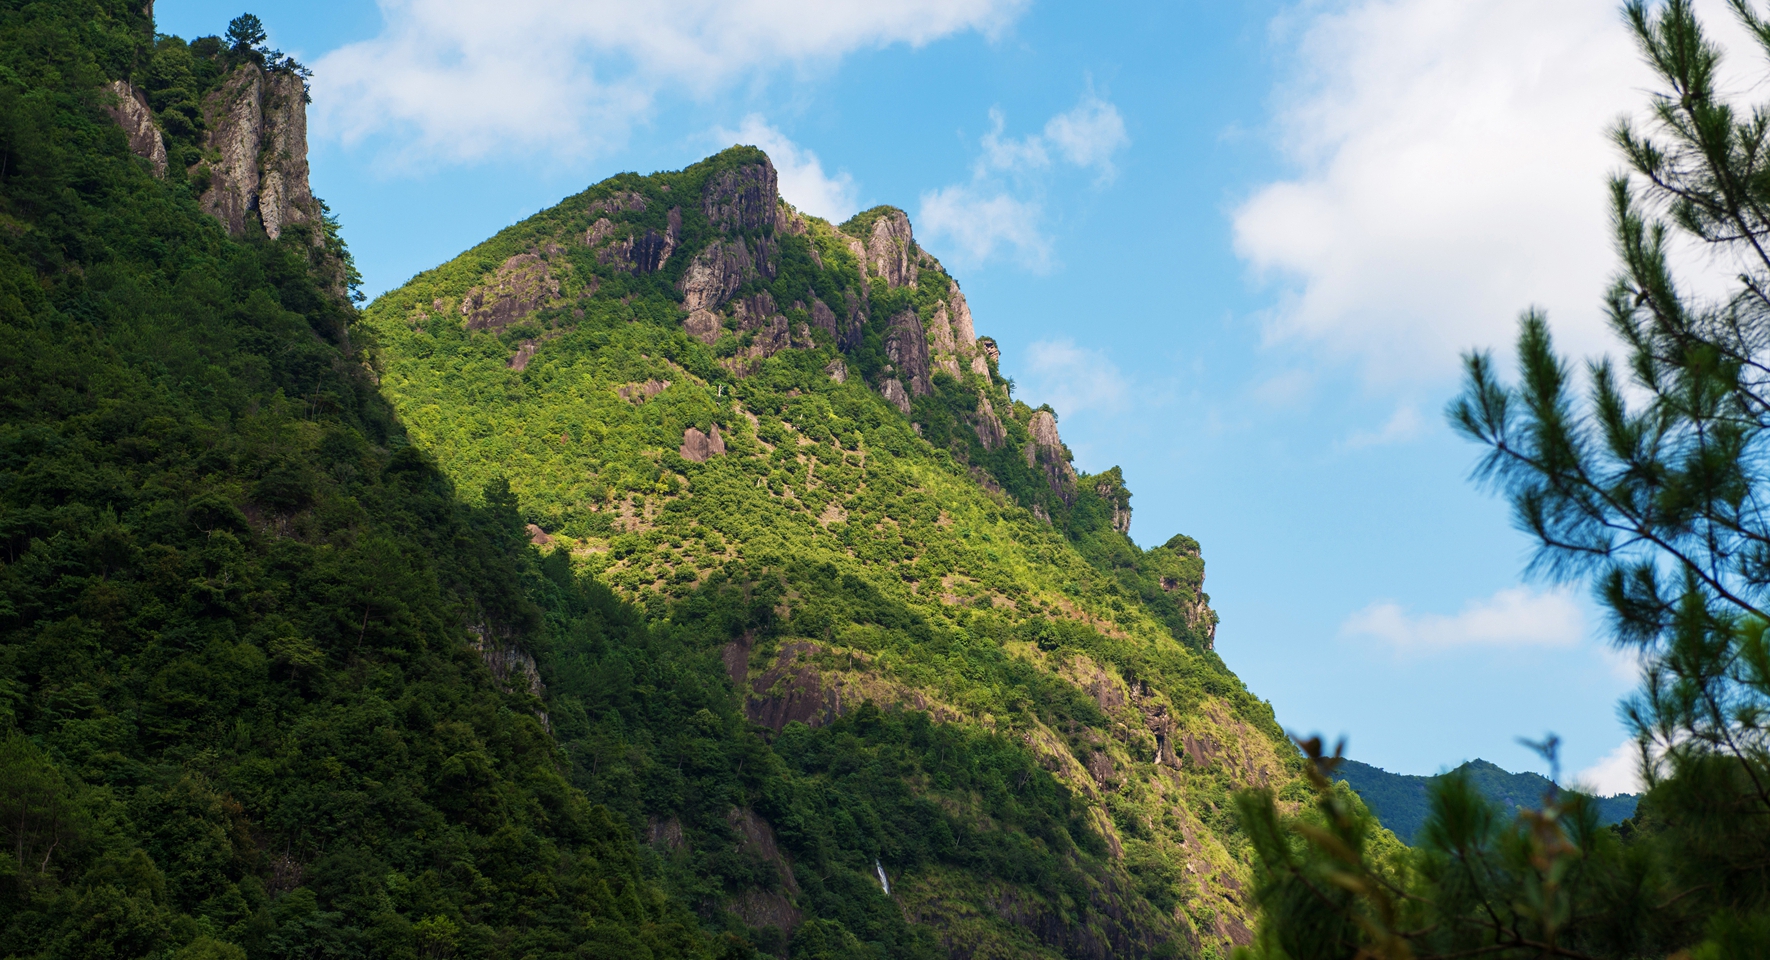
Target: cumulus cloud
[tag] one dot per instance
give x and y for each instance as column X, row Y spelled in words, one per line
column 802, row 178
column 1451, row 162
column 1089, row 135
column 1073, row 379
column 463, row 80
column 980, row 221
column 1619, row 771
column 1517, row 616
column 999, row 209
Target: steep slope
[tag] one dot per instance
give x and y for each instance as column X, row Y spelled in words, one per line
column 1402, row 801
column 783, row 440
column 245, row 706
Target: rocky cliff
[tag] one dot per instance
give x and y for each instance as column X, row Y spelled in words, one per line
column 256, row 163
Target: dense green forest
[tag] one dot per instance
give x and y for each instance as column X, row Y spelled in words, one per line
column 1402, row 802
column 429, row 631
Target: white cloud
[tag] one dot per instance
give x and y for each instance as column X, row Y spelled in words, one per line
column 998, row 209
column 981, row 222
column 1516, row 616
column 1619, row 771
column 1089, row 135
column 1452, row 162
column 802, row 179
column 463, row 80
column 1007, row 153
column 1405, row 424
column 1073, row 379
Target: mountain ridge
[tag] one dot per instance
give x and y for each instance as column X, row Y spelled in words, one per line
column 863, row 451
column 1400, row 801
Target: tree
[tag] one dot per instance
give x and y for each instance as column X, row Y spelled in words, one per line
column 245, row 32
column 1652, row 487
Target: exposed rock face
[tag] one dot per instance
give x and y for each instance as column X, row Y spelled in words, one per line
column 989, row 428
column 285, row 196
column 989, row 349
column 718, row 271
column 940, row 330
column 963, row 332
column 788, row 221
column 857, row 318
column 715, row 275
column 745, row 198
column 513, row 666
column 258, row 125
column 823, row 318
column 1110, row 486
column 522, row 285
column 907, row 346
column 641, row 392
column 837, row 370
column 703, row 325
column 891, row 250
column 622, row 248
column 1045, row 449
column 892, row 390
column 132, row 114
column 699, row 447
column 618, row 202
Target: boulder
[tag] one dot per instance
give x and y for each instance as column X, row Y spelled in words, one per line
column 699, row 447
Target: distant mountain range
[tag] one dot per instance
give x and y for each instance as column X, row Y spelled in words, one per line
column 1400, row 800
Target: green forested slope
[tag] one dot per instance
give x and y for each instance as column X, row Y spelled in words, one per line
column 271, row 687
column 239, row 709
column 943, row 564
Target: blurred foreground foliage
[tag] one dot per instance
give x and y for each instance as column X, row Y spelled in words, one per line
column 1651, row 487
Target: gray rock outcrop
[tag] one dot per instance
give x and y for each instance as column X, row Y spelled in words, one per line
column 989, row 428
column 132, row 113
column 906, row 345
column 522, row 284
column 1044, row 449
column 893, row 392
column 257, row 126
column 742, row 199
column 624, row 248
column 963, row 332
column 700, row 447
column 891, row 250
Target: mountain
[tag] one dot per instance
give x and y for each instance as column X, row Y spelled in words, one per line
column 785, row 442
column 1402, row 801
column 672, row 574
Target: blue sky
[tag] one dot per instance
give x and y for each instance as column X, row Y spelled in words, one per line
column 1238, row 246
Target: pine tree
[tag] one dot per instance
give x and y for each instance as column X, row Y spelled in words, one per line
column 1652, row 487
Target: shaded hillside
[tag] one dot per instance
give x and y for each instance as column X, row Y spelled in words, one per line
column 245, row 627
column 783, row 440
column 1402, row 801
